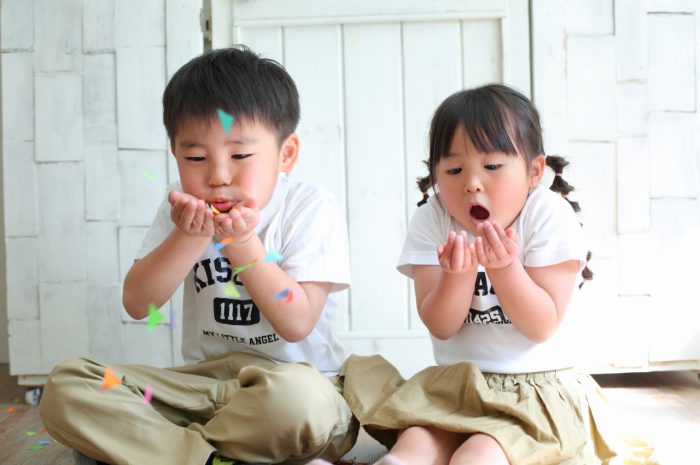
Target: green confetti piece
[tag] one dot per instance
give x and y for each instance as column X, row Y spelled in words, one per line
column 231, row 291
column 36, row 447
column 220, row 461
column 243, row 267
column 154, row 317
column 31, row 433
column 148, row 175
column 226, row 120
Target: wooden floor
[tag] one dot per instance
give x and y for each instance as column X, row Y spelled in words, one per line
column 664, row 408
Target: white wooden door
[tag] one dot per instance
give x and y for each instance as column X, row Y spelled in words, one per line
column 370, row 74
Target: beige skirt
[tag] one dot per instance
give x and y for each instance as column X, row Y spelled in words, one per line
column 553, row 417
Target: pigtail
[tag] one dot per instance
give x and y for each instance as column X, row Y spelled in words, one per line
column 424, row 185
column 564, row 188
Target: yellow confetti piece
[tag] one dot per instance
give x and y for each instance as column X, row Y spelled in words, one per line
column 231, row 291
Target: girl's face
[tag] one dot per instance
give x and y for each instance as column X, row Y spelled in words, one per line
column 476, row 186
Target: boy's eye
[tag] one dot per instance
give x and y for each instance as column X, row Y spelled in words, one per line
column 492, row 167
column 194, row 158
column 240, row 156
column 454, row 171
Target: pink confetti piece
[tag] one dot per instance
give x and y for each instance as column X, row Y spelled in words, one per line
column 148, row 394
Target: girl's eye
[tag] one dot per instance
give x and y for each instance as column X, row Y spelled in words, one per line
column 193, row 158
column 492, row 167
column 454, row 171
column 240, row 156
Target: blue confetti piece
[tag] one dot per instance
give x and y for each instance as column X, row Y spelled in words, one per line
column 281, row 295
column 226, row 120
column 44, row 443
column 272, row 256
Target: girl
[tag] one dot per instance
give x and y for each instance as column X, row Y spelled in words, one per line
column 494, row 257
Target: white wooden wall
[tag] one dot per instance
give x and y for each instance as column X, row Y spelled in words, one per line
column 81, row 87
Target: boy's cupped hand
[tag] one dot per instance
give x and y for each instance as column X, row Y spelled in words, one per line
column 238, row 223
column 457, row 255
column 191, row 215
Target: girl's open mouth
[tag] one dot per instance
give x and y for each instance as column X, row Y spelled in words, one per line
column 479, row 213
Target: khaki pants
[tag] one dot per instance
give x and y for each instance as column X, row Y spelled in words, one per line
column 241, row 405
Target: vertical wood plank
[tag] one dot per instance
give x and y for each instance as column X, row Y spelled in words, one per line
column 102, row 253
column 592, row 17
column 674, row 164
column 64, row 322
column 16, row 25
column 140, row 24
column 482, row 52
column 265, row 41
column 633, row 184
column 18, row 96
column 635, row 275
column 140, row 195
column 102, row 173
column 25, row 347
column 19, row 189
column 516, row 47
column 631, row 39
column 376, row 190
column 59, row 124
column 99, row 26
column 633, row 109
column 22, row 278
column 104, row 322
column 58, row 45
column 183, row 33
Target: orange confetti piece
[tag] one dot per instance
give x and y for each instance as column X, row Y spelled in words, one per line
column 110, row 380
column 227, row 240
column 10, row 410
column 290, row 296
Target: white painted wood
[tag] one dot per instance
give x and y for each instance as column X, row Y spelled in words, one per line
column 373, row 113
column 140, row 85
column 175, row 317
column 183, row 33
column 635, row 274
column 21, row 265
column 591, row 88
column 141, row 196
column 633, row 184
column 322, row 159
column 631, row 46
column 16, row 25
column 99, row 26
column 18, row 96
column 432, row 55
column 221, row 23
column 64, row 322
column 674, row 161
column 590, row 17
column 99, row 81
column 632, row 108
column 482, row 52
column 516, row 49
column 102, row 181
column 61, row 237
column 140, row 24
column 130, row 240
column 671, row 75
column 634, row 315
column 58, row 46
column 104, row 322
column 265, row 41
column 141, row 346
column 173, row 174
column 361, row 11
column 676, row 319
column 409, row 352
column 102, row 250
column 549, row 72
column 59, row 124
column 25, row 347
column 592, row 172
column 19, row 189
column 672, row 6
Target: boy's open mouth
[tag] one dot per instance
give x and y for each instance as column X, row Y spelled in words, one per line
column 479, row 213
column 223, row 206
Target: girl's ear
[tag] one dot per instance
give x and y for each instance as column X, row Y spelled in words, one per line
column 536, row 170
column 289, row 153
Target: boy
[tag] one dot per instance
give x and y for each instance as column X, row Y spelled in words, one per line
column 265, row 387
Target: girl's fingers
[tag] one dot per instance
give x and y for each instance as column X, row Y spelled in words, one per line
column 458, row 253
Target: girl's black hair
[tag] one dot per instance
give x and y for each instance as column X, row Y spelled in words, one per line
column 237, row 81
column 496, row 118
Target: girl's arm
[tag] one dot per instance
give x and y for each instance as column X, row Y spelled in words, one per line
column 444, row 293
column 534, row 298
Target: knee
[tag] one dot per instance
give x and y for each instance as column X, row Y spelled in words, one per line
column 478, row 449
column 63, row 387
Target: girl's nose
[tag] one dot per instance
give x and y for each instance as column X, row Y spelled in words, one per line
column 472, row 184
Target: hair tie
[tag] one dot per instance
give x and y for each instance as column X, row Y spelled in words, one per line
column 557, row 174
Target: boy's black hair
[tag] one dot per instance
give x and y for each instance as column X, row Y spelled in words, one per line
column 496, row 118
column 237, row 81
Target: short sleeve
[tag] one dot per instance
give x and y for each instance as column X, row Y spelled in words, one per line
column 426, row 230
column 315, row 240
column 160, row 228
column 554, row 234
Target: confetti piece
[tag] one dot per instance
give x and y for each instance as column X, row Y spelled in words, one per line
column 148, row 394
column 231, row 291
column 244, row 267
column 226, row 120
column 290, row 296
column 110, row 380
column 281, row 294
column 36, row 447
column 214, row 210
column 31, row 433
column 44, row 443
column 16, row 401
column 272, row 256
column 154, row 317
column 148, row 175
column 10, row 410
column 224, row 243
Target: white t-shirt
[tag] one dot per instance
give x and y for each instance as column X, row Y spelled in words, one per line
column 549, row 233
column 303, row 224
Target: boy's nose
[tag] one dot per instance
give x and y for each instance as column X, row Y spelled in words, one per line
column 220, row 176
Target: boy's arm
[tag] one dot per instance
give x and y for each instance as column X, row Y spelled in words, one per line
column 294, row 320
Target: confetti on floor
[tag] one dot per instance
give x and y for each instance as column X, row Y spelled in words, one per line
column 44, row 443
column 231, row 291
column 31, row 433
column 226, row 120
column 148, row 394
column 272, row 256
column 154, row 317
column 10, row 410
column 110, row 380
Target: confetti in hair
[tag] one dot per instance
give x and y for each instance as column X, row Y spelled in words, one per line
column 226, row 120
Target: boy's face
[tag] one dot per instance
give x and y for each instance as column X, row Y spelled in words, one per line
column 224, row 169
column 476, row 186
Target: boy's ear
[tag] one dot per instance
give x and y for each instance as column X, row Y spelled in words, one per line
column 289, row 153
column 536, row 170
